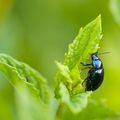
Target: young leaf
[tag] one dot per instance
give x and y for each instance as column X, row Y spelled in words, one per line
column 20, row 74
column 76, row 102
column 68, row 80
column 86, row 42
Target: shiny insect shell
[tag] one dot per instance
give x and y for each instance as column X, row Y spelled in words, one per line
column 95, row 74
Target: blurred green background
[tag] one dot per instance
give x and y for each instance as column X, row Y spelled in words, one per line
column 38, row 32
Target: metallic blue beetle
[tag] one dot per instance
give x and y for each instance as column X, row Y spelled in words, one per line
column 95, row 74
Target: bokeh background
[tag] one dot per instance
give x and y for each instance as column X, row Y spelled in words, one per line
column 38, row 32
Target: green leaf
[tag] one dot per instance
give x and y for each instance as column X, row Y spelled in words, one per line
column 33, row 100
column 64, row 71
column 30, row 108
column 115, row 10
column 20, row 74
column 76, row 102
column 69, row 87
column 96, row 110
column 86, row 42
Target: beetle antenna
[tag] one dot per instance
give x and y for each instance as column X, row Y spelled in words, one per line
column 103, row 53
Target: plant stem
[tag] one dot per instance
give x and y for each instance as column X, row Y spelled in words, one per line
column 60, row 111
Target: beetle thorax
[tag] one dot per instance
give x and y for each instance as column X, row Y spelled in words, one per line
column 97, row 63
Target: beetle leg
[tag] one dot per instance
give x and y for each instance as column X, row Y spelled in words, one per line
column 84, row 81
column 86, row 68
column 85, row 64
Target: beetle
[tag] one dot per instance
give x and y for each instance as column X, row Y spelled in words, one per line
column 95, row 74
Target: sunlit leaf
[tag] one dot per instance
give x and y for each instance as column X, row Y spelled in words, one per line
column 69, row 87
column 86, row 42
column 20, row 74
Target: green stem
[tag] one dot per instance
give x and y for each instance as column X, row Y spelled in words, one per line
column 60, row 111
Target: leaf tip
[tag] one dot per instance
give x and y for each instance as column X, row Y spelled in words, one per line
column 99, row 19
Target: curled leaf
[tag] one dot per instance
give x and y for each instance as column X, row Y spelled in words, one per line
column 76, row 102
column 20, row 74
